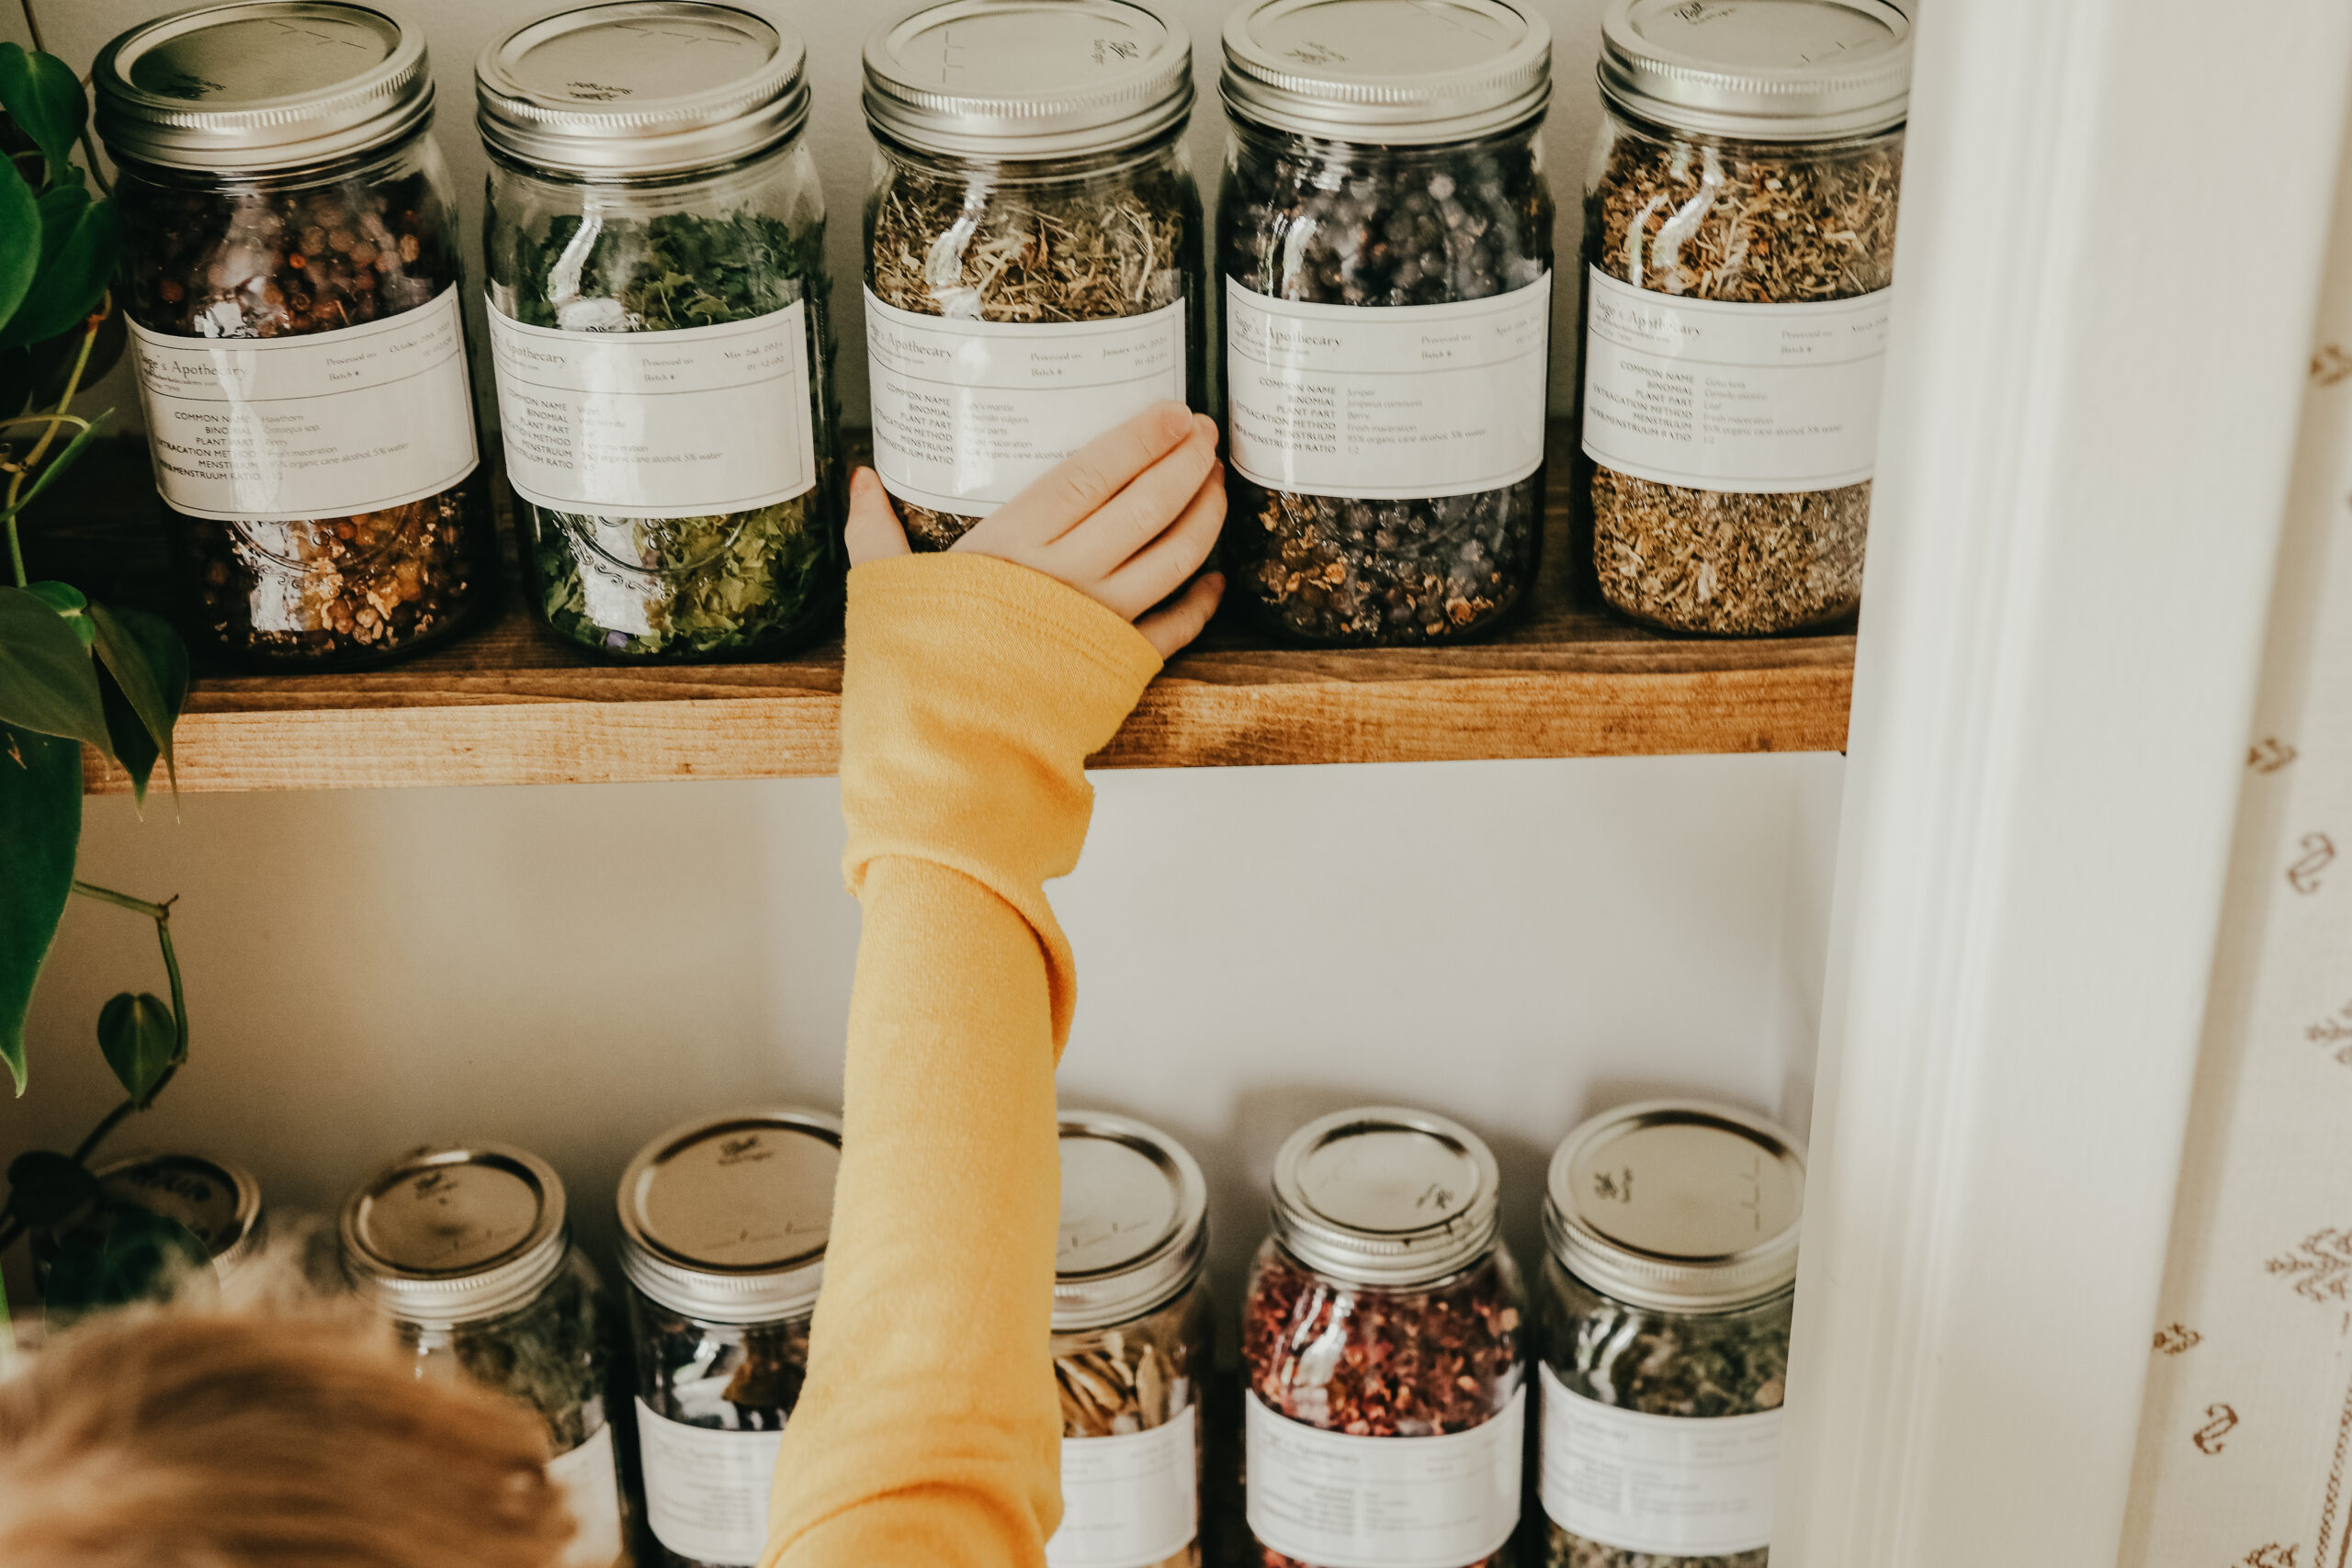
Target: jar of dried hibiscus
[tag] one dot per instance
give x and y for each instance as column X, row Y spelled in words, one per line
column 723, row 1229
column 1739, row 245
column 290, row 281
column 1662, row 1323
column 1381, row 1341
column 1384, row 230
column 1131, row 1346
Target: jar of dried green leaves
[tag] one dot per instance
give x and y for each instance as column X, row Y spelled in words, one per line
column 291, row 282
column 1385, row 236
column 1739, row 242
column 1131, row 1346
column 1033, row 243
column 723, row 1229
column 1663, row 1325
column 658, row 324
column 468, row 1253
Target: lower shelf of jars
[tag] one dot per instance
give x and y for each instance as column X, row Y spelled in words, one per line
column 508, row 705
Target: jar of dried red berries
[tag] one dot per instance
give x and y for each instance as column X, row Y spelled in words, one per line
column 291, row 284
column 1382, row 1344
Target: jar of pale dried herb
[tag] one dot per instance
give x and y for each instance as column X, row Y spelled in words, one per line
column 1034, row 272
column 468, row 1253
column 1131, row 1346
column 1380, row 1339
column 723, row 1229
column 658, row 327
column 1739, row 242
column 1386, row 234
column 1663, row 1323
column 291, row 278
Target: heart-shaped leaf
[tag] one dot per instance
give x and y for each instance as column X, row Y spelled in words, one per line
column 131, row 1255
column 60, row 210
column 46, row 1187
column 44, row 98
column 145, row 685
column 20, row 239
column 46, row 682
column 72, row 281
column 41, row 827
column 139, row 1037
column 61, row 597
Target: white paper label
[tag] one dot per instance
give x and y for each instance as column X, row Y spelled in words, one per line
column 1714, row 394
column 1344, row 1502
column 966, row 413
column 325, row 425
column 1128, row 1502
column 706, row 1490
column 680, row 423
column 592, row 1487
column 1674, row 1485
column 1388, row 405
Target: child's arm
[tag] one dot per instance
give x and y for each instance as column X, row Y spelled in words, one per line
column 976, row 685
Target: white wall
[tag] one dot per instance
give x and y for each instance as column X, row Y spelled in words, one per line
column 457, row 32
column 575, row 968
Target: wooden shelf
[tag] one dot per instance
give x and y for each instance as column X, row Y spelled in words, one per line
column 510, row 706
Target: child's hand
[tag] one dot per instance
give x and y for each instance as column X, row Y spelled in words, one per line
column 1125, row 520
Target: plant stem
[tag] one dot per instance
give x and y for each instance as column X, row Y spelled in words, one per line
column 112, row 1119
column 162, row 915
column 21, row 471
column 8, row 1337
column 32, row 23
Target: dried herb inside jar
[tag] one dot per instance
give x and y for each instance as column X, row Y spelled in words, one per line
column 550, row 1356
column 678, row 587
column 1135, row 1377
column 1736, row 221
column 723, row 1377
column 1079, row 249
column 1379, row 229
column 257, row 262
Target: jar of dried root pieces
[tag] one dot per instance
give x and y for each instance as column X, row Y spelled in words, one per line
column 1033, row 255
column 1663, row 1322
column 723, row 1229
column 1739, row 242
column 292, row 281
column 1131, row 1346
column 1382, row 1339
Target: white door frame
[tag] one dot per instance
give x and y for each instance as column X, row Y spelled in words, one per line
column 2114, row 213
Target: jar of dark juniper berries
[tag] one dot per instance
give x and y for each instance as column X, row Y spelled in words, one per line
column 1381, row 1341
column 1671, row 1229
column 291, row 280
column 1033, row 271
column 1386, row 235
column 723, row 1229
column 1738, row 250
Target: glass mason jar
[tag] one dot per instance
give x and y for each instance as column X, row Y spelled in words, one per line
column 1034, row 272
column 1386, row 234
column 660, row 329
column 1738, row 245
column 1381, row 1341
column 113, row 1252
column 291, row 282
column 1131, row 1346
column 723, row 1228
column 467, row 1253
column 1663, row 1328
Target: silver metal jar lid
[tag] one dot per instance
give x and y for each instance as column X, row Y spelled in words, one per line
column 445, row 1236
column 219, row 1203
column 1677, row 1204
column 1387, row 72
column 1134, row 1224
column 641, row 87
column 263, row 85
column 724, row 1218
column 1769, row 70
column 1384, row 1196
column 1028, row 78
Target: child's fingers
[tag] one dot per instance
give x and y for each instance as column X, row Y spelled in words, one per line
column 1174, row 627
column 872, row 532
column 1126, row 524
column 1069, row 492
column 1156, row 570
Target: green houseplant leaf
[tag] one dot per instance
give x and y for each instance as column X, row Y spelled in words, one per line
column 20, row 239
column 70, row 282
column 46, row 682
column 46, row 1187
column 139, row 1037
column 44, row 98
column 40, row 824
column 128, row 1255
column 144, row 687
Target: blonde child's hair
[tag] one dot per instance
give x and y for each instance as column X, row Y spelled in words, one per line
column 243, row 1440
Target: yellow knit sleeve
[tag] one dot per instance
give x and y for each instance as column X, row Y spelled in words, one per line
column 928, row 1432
